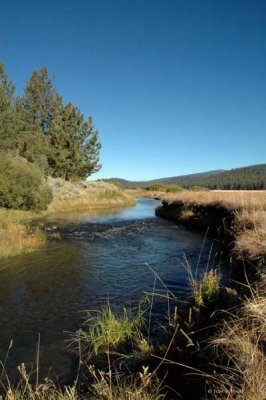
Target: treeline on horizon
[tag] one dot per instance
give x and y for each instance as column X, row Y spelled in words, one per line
column 41, row 128
column 245, row 178
column 41, row 136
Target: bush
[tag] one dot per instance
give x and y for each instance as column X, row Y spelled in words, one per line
column 22, row 185
column 156, row 186
column 174, row 189
column 199, row 189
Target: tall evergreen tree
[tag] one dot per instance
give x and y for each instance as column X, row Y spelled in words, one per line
column 37, row 109
column 8, row 117
column 40, row 100
column 90, row 149
column 31, row 142
column 74, row 148
column 41, row 129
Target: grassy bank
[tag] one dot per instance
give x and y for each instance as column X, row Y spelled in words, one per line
column 86, row 195
column 243, row 213
column 16, row 236
column 238, row 359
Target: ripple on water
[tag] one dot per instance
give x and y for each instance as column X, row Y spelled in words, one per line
column 100, row 257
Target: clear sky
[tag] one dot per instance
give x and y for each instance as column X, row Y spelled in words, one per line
column 174, row 86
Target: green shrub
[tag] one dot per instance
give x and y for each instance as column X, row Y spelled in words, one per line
column 22, row 185
column 199, row 189
column 156, row 186
column 174, row 189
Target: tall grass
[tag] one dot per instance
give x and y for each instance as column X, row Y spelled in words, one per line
column 241, row 344
column 249, row 208
column 105, row 331
column 141, row 386
column 79, row 195
column 16, row 237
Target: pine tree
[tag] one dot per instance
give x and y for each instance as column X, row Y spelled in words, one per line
column 90, row 149
column 41, row 129
column 36, row 110
column 32, row 144
column 74, row 150
column 8, row 117
column 40, row 100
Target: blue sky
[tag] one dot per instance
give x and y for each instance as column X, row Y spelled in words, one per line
column 174, row 86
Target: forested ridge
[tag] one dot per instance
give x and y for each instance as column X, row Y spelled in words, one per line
column 42, row 129
column 246, row 178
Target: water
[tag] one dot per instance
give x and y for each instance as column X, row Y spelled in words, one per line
column 101, row 256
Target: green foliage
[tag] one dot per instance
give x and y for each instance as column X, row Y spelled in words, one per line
column 207, row 289
column 156, row 187
column 199, row 189
column 106, row 331
column 22, row 185
column 40, row 128
column 40, row 101
column 174, row 189
column 163, row 188
column 246, row 178
column 8, row 120
column 74, row 148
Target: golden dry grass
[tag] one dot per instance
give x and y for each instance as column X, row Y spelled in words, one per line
column 86, row 195
column 15, row 235
column 242, row 343
column 249, row 208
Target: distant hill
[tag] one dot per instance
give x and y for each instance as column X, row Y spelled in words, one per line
column 246, row 178
column 182, row 180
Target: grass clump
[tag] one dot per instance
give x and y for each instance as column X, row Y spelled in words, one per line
column 240, row 349
column 141, row 386
column 105, row 331
column 209, row 286
column 204, row 289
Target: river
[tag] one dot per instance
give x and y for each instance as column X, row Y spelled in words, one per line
column 100, row 257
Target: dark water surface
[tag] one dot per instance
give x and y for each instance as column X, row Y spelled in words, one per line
column 99, row 257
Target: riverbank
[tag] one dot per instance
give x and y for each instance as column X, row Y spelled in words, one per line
column 238, row 359
column 210, row 348
column 16, row 235
column 236, row 216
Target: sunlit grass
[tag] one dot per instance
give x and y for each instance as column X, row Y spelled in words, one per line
column 249, row 209
column 86, row 195
column 241, row 342
column 105, row 331
column 15, row 234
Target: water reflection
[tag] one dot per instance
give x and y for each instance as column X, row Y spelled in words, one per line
column 101, row 256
